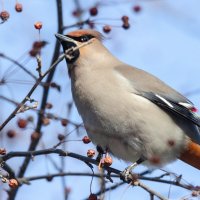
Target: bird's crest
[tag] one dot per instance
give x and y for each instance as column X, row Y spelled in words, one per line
column 90, row 32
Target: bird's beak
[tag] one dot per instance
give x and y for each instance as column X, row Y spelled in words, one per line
column 64, row 38
column 67, row 43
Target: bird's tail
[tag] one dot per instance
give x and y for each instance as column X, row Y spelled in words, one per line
column 191, row 155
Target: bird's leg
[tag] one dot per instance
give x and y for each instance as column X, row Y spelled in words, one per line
column 100, row 153
column 125, row 175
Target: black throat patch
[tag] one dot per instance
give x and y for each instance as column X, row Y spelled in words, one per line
column 73, row 55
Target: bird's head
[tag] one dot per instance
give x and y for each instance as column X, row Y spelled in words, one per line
column 87, row 39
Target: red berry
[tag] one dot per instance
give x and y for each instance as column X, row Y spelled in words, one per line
column 92, row 197
column 11, row 133
column 137, row 8
column 2, row 151
column 77, row 13
column 33, row 52
column 36, row 48
column 49, row 178
column 30, row 119
column 125, row 18
column 38, row 25
column 48, row 106
column 86, row 140
column 61, row 137
column 93, row 11
column 91, row 24
column 22, row 123
column 55, row 85
column 13, row 183
column 126, row 25
column 45, row 121
column 90, row 153
column 35, row 136
column 64, row 122
column 39, row 44
column 107, row 161
column 4, row 15
column 106, row 29
column 68, row 190
column 18, row 7
column 195, row 193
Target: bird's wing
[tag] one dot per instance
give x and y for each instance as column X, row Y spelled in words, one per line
column 185, row 109
column 162, row 95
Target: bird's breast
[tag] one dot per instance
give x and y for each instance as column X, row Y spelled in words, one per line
column 100, row 98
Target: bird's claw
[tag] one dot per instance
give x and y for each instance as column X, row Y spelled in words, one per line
column 126, row 175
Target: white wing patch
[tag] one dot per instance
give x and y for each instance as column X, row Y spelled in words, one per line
column 165, row 101
column 186, row 105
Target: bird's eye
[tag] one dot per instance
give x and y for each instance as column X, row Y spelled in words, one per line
column 84, row 38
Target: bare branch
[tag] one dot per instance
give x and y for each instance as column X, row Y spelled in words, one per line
column 148, row 189
column 56, row 53
column 12, row 115
column 39, row 67
column 27, row 180
column 19, row 65
column 110, row 170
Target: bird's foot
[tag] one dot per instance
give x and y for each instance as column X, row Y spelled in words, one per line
column 127, row 174
column 100, row 153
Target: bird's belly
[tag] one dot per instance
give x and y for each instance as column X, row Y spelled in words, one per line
column 126, row 126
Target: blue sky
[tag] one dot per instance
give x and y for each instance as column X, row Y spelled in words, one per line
column 163, row 40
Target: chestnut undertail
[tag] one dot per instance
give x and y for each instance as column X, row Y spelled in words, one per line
column 191, row 155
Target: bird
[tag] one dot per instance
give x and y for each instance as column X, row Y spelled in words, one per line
column 127, row 111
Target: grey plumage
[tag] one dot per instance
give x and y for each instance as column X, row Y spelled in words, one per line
column 148, row 86
column 127, row 110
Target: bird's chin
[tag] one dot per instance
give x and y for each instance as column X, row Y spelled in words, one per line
column 72, row 56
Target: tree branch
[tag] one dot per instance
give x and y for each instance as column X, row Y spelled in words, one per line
column 27, row 97
column 34, row 143
column 19, row 65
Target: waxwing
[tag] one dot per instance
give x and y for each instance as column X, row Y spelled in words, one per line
column 129, row 112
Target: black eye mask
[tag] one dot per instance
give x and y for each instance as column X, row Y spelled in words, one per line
column 83, row 38
column 68, row 45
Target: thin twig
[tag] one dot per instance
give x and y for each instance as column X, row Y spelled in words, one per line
column 148, row 189
column 12, row 115
column 27, row 180
column 19, row 65
column 34, row 143
column 185, row 186
column 79, row 9
column 46, row 114
column 39, row 67
column 78, row 24
column 9, row 100
column 61, row 152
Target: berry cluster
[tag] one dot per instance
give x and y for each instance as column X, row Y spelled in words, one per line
column 4, row 14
